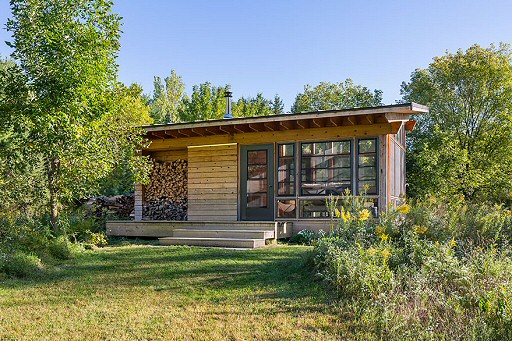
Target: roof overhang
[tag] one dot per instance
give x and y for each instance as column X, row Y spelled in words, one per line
column 397, row 113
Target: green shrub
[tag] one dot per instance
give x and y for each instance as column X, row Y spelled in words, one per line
column 355, row 271
column 61, row 248
column 304, row 237
column 19, row 264
column 430, row 270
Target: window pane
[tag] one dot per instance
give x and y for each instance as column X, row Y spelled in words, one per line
column 286, row 188
column 313, row 209
column 341, row 147
column 367, row 173
column 286, row 208
column 325, row 167
column 367, row 160
column 286, row 150
column 286, row 169
column 307, row 148
column 257, row 157
column 342, row 161
column 342, row 174
column 367, row 146
column 254, row 186
column 257, row 171
column 257, row 200
column 371, row 186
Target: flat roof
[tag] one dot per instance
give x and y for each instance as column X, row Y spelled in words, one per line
column 403, row 108
column 385, row 114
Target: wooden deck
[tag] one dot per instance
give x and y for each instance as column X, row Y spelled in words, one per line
column 203, row 233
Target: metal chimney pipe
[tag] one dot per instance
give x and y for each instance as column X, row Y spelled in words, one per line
column 228, row 95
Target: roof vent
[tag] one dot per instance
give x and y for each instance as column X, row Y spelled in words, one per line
column 228, row 95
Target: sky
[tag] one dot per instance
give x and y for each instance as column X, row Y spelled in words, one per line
column 278, row 46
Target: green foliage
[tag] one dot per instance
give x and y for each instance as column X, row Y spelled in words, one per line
column 167, row 98
column 67, row 51
column 335, row 96
column 206, row 102
column 61, row 248
column 431, row 270
column 19, row 264
column 257, row 106
column 304, row 237
column 463, row 145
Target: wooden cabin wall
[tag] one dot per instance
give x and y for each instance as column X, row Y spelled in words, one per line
column 213, row 183
column 170, row 155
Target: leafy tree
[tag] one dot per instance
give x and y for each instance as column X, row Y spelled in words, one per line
column 257, row 106
column 21, row 174
column 277, row 105
column 206, row 102
column 66, row 50
column 332, row 96
column 463, row 145
column 167, row 98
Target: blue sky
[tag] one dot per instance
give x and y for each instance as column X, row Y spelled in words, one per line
column 276, row 47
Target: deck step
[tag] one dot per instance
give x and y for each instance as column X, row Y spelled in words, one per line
column 218, row 242
column 223, row 233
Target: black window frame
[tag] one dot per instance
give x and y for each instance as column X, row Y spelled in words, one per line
column 300, row 168
column 377, row 161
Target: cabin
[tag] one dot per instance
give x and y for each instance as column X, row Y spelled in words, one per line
column 242, row 181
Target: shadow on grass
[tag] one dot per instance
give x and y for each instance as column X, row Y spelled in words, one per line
column 210, row 274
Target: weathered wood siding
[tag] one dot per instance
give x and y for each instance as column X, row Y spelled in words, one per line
column 169, row 155
column 213, row 183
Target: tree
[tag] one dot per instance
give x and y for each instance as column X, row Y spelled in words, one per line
column 167, row 98
column 463, row 145
column 66, row 50
column 333, row 96
column 206, row 102
column 257, row 106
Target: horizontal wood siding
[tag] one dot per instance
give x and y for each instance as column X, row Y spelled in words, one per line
column 169, row 155
column 213, row 183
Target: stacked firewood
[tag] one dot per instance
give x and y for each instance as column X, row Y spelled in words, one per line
column 120, row 206
column 165, row 197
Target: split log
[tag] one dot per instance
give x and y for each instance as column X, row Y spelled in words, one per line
column 165, row 197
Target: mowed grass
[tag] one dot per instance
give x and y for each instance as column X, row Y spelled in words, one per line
column 146, row 292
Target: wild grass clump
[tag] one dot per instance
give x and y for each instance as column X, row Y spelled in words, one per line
column 422, row 271
column 28, row 243
column 19, row 264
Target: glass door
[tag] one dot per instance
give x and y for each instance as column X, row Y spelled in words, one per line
column 257, row 182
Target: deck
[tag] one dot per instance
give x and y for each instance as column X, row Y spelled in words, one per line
column 245, row 234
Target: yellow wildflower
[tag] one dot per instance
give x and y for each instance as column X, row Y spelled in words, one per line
column 345, row 215
column 386, row 253
column 372, row 251
column 384, row 237
column 404, row 209
column 337, row 213
column 420, row 229
column 380, row 229
column 453, row 243
column 364, row 215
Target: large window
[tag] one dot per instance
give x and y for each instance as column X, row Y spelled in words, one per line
column 326, row 168
column 286, row 169
column 322, row 169
column 367, row 166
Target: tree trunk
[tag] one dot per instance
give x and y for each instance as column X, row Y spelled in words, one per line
column 53, row 188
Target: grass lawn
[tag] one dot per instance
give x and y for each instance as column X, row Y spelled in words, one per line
column 139, row 292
